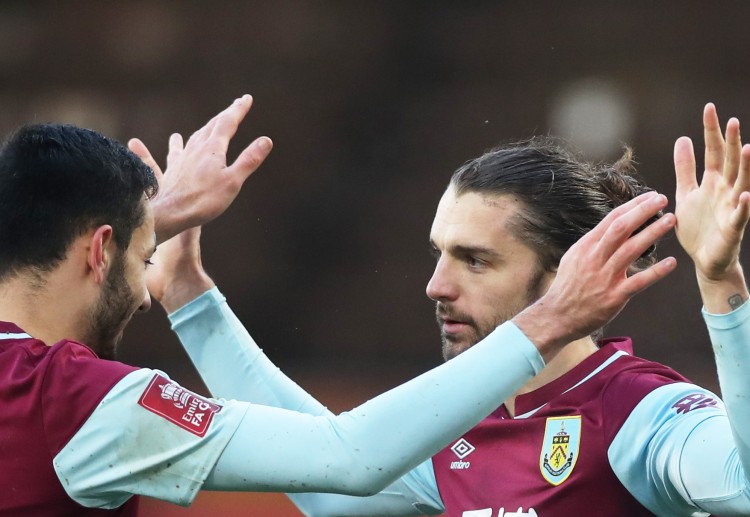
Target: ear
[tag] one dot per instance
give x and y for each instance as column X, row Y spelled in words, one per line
column 101, row 252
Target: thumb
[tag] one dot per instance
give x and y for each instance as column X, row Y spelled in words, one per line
column 684, row 167
column 251, row 158
column 140, row 149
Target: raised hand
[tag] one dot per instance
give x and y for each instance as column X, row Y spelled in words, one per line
column 712, row 215
column 592, row 284
column 176, row 275
column 198, row 184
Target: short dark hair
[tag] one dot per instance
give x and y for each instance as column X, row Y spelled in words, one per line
column 59, row 181
column 563, row 196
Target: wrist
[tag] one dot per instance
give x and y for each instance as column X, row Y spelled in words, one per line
column 723, row 294
column 168, row 222
column 543, row 329
column 184, row 290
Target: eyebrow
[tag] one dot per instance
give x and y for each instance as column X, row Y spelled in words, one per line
column 460, row 249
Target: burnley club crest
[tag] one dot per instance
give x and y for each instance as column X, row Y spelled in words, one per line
column 562, row 438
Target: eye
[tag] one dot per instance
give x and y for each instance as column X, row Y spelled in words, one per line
column 148, row 262
column 474, row 262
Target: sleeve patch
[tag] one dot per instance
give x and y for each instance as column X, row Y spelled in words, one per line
column 178, row 405
column 694, row 401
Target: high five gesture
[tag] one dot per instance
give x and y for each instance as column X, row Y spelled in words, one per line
column 712, row 215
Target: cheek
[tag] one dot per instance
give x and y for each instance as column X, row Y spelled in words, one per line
column 483, row 300
column 136, row 279
column 500, row 299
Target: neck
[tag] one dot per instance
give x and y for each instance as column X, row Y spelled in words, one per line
column 567, row 359
column 46, row 307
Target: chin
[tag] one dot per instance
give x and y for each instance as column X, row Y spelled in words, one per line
column 452, row 348
column 454, row 345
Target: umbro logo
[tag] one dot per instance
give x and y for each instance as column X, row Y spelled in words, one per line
column 461, row 448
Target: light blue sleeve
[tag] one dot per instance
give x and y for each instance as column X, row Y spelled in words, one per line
column 231, row 363
column 362, row 451
column 682, row 451
column 384, row 437
column 124, row 448
column 660, row 454
column 414, row 494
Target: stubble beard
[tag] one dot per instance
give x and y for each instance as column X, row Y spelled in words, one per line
column 454, row 345
column 115, row 307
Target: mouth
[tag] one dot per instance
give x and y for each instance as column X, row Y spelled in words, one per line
column 453, row 323
column 450, row 326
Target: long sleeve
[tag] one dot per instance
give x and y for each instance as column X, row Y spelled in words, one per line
column 233, row 366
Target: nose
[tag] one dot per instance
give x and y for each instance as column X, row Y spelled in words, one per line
column 442, row 286
column 145, row 303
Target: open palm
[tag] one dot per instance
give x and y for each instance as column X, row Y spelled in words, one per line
column 711, row 217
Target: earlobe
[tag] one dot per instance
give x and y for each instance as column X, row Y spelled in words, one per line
column 100, row 252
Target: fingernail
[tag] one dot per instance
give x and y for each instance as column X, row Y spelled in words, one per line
column 265, row 144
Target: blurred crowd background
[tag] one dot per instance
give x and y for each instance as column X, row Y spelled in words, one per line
column 371, row 106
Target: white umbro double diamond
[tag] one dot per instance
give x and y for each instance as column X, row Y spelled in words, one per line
column 462, row 448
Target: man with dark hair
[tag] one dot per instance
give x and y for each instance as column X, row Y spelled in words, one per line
column 598, row 431
column 81, row 434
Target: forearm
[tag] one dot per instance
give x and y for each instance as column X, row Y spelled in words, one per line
column 413, row 494
column 233, row 366
column 362, row 451
column 730, row 337
column 230, row 362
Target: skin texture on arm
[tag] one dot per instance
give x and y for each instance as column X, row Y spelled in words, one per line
column 198, row 184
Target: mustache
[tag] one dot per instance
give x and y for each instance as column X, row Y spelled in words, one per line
column 443, row 311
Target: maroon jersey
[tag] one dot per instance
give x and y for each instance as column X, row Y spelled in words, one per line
column 46, row 394
column 552, row 458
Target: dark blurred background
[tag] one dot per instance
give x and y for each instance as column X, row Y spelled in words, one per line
column 371, row 106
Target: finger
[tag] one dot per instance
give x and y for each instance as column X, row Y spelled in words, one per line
column 742, row 183
column 251, row 158
column 207, row 129
column 596, row 233
column 175, row 149
column 648, row 277
column 229, row 120
column 741, row 214
column 632, row 249
column 684, row 167
column 733, row 151
column 713, row 139
column 623, row 227
column 140, row 149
